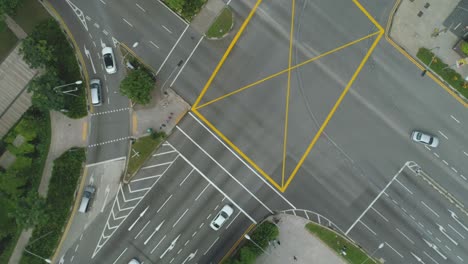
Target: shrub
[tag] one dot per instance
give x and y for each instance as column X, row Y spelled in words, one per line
column 137, row 86
column 464, row 47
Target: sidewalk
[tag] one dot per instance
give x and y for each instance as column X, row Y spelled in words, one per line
column 296, row 241
column 415, row 23
column 210, row 11
column 65, row 133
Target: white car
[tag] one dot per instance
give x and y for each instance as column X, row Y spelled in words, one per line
column 134, row 261
column 109, row 60
column 420, row 137
column 221, row 217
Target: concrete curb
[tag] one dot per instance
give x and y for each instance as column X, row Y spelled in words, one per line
column 229, row 30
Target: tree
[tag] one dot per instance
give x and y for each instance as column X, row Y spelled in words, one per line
column 464, row 47
column 9, row 6
column 30, row 211
column 138, row 86
column 44, row 96
column 36, row 52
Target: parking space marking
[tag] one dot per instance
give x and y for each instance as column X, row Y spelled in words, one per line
column 167, row 29
column 440, row 132
column 406, row 188
column 216, row 187
column 224, row 169
column 394, row 249
column 140, row 7
column 127, row 22
column 152, row 43
column 233, row 219
column 456, row 120
column 380, row 214
column 430, row 257
column 372, row 231
column 201, row 193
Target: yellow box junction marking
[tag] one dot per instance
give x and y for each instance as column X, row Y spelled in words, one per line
column 196, row 106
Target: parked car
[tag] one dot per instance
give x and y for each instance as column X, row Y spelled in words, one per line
column 221, row 217
column 96, row 98
column 426, row 139
column 134, row 261
column 109, row 60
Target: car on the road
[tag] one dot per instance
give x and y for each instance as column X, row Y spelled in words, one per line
column 109, row 60
column 95, row 87
column 426, row 139
column 134, row 261
column 88, row 194
column 221, row 217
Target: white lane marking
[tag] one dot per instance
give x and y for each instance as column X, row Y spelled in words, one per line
column 140, row 7
column 154, row 232
column 96, row 25
column 428, row 148
column 454, row 169
column 186, row 177
column 194, row 233
column 167, row 29
column 146, row 178
column 232, row 221
column 170, row 10
column 139, row 216
column 377, row 197
column 201, row 225
column 412, row 217
column 71, row 260
column 224, row 169
column 77, row 246
column 456, row 231
column 463, row 177
column 445, row 162
column 179, row 218
column 164, row 153
column 120, row 255
column 102, row 2
column 157, row 165
column 152, row 43
column 437, row 155
column 245, row 163
column 403, row 234
column 158, row 244
column 394, row 249
column 106, row 193
column 139, row 233
column 201, row 193
column 455, row 119
column 164, row 203
column 440, row 241
column 466, row 154
column 429, row 208
column 443, row 134
column 208, row 216
column 460, row 258
column 217, row 188
column 105, row 33
column 172, row 49
column 448, row 248
column 404, row 186
column 430, row 257
column 127, row 22
column 379, row 214
column 372, row 231
column 187, row 60
column 210, row 246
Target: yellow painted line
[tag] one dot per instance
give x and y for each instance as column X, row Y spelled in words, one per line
column 72, row 215
column 288, row 92
column 363, row 10
column 134, row 123
column 228, row 254
column 84, row 131
column 77, row 50
column 332, row 112
column 181, row 116
column 136, row 56
column 286, row 70
column 234, row 147
column 419, row 65
column 226, row 54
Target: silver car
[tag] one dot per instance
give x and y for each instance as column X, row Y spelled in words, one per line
column 134, row 261
column 426, row 139
column 109, row 60
column 221, row 217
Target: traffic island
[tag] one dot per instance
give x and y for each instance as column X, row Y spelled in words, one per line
column 222, row 25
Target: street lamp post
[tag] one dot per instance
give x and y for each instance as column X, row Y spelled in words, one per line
column 430, row 63
column 37, row 256
column 250, row 239
column 68, row 92
column 368, row 257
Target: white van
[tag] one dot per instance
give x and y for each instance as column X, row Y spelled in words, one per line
column 96, row 98
column 88, row 194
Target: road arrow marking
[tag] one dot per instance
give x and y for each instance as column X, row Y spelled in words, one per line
column 88, row 54
column 442, row 230
column 455, row 217
column 190, row 257
column 171, row 246
column 140, row 216
column 105, row 198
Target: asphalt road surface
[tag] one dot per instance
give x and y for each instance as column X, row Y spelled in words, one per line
column 361, row 172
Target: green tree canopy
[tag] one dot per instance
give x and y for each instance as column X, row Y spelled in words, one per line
column 9, row 6
column 30, row 211
column 36, row 52
column 44, row 96
column 137, row 86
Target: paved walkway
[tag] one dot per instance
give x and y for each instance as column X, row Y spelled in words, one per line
column 297, row 242
column 15, row 28
column 412, row 31
column 207, row 15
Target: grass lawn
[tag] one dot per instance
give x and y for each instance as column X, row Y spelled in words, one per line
column 336, row 242
column 221, row 25
column 8, row 42
column 444, row 71
column 30, row 14
column 144, row 146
